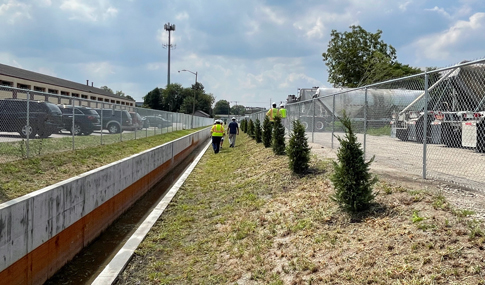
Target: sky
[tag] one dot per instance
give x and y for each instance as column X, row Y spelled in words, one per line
column 250, row 52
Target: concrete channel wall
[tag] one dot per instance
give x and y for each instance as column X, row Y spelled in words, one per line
column 41, row 231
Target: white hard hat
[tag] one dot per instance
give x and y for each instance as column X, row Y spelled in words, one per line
column 282, row 105
column 274, row 103
column 233, row 118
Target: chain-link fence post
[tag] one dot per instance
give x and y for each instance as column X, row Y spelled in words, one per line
column 425, row 125
column 333, row 119
column 28, row 128
column 102, row 123
column 313, row 121
column 365, row 120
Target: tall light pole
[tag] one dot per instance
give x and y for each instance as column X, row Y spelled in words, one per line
column 169, row 28
column 195, row 90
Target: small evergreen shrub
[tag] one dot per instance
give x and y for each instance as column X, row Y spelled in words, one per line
column 243, row 125
column 258, row 131
column 298, row 150
column 267, row 132
column 352, row 179
column 278, row 137
column 251, row 128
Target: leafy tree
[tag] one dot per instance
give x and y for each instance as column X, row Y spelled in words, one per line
column 258, row 133
column 118, row 93
column 106, row 88
column 154, row 99
column 267, row 132
column 239, row 110
column 359, row 57
column 298, row 150
column 173, row 96
column 352, row 179
column 221, row 107
column 278, row 136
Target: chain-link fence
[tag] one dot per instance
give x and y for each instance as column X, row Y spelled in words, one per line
column 431, row 124
column 35, row 123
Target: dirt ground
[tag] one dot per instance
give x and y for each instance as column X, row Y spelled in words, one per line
column 459, row 196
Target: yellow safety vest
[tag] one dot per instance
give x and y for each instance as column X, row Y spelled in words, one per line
column 283, row 113
column 272, row 113
column 217, row 130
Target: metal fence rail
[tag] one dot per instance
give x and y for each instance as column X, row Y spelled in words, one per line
column 431, row 124
column 34, row 123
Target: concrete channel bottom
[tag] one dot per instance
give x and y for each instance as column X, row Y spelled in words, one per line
column 461, row 166
column 121, row 259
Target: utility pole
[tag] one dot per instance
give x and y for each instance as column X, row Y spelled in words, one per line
column 169, row 28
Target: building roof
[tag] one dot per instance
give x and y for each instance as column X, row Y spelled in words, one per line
column 46, row 79
column 200, row 113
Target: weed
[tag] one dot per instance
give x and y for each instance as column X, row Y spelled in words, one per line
column 475, row 228
column 416, row 218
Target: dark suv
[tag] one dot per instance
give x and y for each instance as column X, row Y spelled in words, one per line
column 115, row 121
column 86, row 120
column 45, row 118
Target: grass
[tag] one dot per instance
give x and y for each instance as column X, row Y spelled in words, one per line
column 243, row 218
column 10, row 151
column 21, row 177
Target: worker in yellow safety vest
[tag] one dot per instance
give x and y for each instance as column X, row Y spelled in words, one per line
column 217, row 133
column 272, row 113
column 282, row 111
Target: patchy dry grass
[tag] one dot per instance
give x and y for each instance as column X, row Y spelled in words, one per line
column 243, row 218
column 21, row 177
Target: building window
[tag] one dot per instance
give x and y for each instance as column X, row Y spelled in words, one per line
column 64, row 93
column 93, row 97
column 75, row 95
column 40, row 89
column 113, row 101
column 52, row 91
column 106, row 100
column 6, row 83
column 23, row 86
column 100, row 99
column 84, row 96
column 123, row 103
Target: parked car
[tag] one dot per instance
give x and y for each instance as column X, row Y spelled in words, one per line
column 86, row 120
column 45, row 118
column 158, row 122
column 115, row 121
column 139, row 122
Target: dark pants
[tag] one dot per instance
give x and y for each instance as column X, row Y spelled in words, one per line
column 216, row 143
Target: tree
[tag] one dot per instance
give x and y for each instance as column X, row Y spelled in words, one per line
column 278, row 137
column 298, row 150
column 257, row 131
column 359, row 57
column 173, row 96
column 352, row 179
column 118, row 93
column 221, row 107
column 251, row 128
column 239, row 110
column 154, row 99
column 267, row 132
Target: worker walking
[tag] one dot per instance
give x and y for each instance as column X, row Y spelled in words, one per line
column 233, row 131
column 282, row 113
column 217, row 132
column 272, row 113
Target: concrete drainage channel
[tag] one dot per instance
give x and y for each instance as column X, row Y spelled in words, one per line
column 41, row 231
column 103, row 260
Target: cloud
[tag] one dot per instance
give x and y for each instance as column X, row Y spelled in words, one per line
column 442, row 45
column 440, row 11
column 12, row 10
column 90, row 11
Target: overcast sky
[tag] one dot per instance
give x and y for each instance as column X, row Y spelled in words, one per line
column 249, row 52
